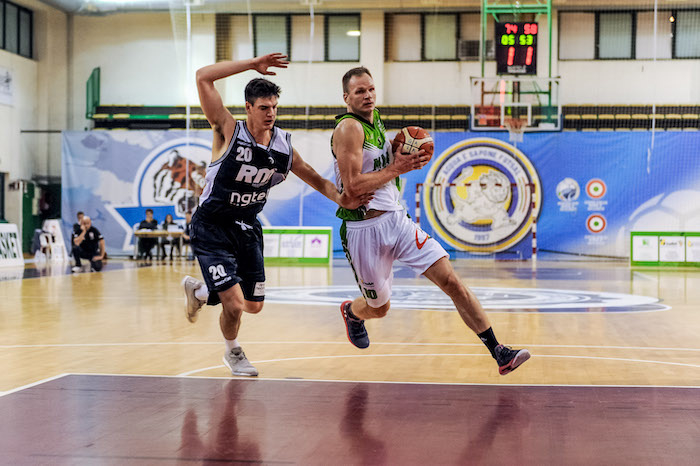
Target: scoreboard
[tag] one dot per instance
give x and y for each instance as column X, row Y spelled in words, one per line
column 516, row 48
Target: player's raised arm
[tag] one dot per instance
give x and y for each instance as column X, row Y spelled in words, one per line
column 213, row 107
column 347, row 147
column 311, row 177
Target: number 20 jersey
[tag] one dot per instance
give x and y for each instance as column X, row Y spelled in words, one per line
column 238, row 184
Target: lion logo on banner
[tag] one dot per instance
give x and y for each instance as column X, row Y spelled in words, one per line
column 179, row 181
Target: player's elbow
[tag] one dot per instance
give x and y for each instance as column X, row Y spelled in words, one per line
column 202, row 77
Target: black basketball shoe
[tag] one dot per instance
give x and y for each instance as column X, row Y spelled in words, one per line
column 354, row 326
column 509, row 359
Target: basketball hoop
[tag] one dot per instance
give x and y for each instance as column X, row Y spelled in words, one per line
column 516, row 129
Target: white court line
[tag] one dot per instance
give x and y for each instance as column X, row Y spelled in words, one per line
column 345, row 343
column 276, row 379
column 33, row 384
column 444, row 354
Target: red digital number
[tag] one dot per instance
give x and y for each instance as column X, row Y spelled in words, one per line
column 528, row 57
column 511, row 55
column 511, row 28
column 530, row 28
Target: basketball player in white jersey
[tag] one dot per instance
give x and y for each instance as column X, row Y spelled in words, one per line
column 248, row 158
column 376, row 235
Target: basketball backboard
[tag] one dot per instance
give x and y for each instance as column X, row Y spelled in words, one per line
column 534, row 100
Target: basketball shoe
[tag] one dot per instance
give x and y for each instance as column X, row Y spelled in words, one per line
column 238, row 363
column 509, row 359
column 355, row 327
column 192, row 304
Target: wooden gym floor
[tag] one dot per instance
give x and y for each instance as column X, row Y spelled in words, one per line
column 103, row 368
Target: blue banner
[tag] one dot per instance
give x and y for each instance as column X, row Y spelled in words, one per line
column 590, row 188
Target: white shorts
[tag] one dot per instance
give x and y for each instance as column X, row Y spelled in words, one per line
column 373, row 245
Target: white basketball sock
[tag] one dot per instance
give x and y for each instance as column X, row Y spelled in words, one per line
column 230, row 344
column 202, row 293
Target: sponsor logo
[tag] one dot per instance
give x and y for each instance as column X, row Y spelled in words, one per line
column 253, row 175
column 244, row 226
column 419, row 244
column 246, row 199
column 568, row 190
column 478, row 195
column 259, row 289
column 224, row 280
column 596, row 223
column 596, row 188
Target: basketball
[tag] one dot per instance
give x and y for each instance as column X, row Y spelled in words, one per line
column 413, row 138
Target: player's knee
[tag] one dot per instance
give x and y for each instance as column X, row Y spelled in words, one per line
column 452, row 285
column 253, row 307
column 233, row 306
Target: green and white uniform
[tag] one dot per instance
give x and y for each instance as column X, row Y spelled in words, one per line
column 376, row 155
column 373, row 245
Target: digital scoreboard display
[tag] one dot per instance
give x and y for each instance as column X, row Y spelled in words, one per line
column 516, row 48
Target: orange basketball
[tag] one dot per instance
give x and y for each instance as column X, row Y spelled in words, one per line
column 414, row 138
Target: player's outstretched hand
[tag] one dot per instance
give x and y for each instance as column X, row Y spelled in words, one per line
column 353, row 203
column 262, row 63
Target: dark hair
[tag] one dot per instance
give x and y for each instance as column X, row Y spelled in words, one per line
column 80, row 212
column 260, row 87
column 359, row 71
column 149, row 210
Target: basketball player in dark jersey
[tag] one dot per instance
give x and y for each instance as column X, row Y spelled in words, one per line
column 248, row 158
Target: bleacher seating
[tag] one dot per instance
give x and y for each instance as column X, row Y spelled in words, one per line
column 440, row 117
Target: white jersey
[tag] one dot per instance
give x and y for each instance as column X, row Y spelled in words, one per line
column 376, row 155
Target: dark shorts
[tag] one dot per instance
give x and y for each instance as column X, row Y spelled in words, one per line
column 228, row 255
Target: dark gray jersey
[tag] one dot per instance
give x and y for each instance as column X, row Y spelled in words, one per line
column 238, row 184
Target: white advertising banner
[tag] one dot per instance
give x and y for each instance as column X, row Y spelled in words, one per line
column 645, row 248
column 291, row 245
column 692, row 249
column 316, row 245
column 271, row 243
column 671, row 249
column 10, row 246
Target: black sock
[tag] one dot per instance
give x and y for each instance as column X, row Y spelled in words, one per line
column 489, row 340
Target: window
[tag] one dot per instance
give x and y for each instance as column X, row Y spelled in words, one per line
column 436, row 36
column 302, row 50
column 16, row 29
column 576, row 36
column 403, row 37
column 645, row 35
column 470, row 37
column 614, row 35
column 687, row 37
column 335, row 37
column 342, row 37
column 11, row 25
column 629, row 35
column 241, row 36
column 25, row 33
column 271, row 33
column 440, row 37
